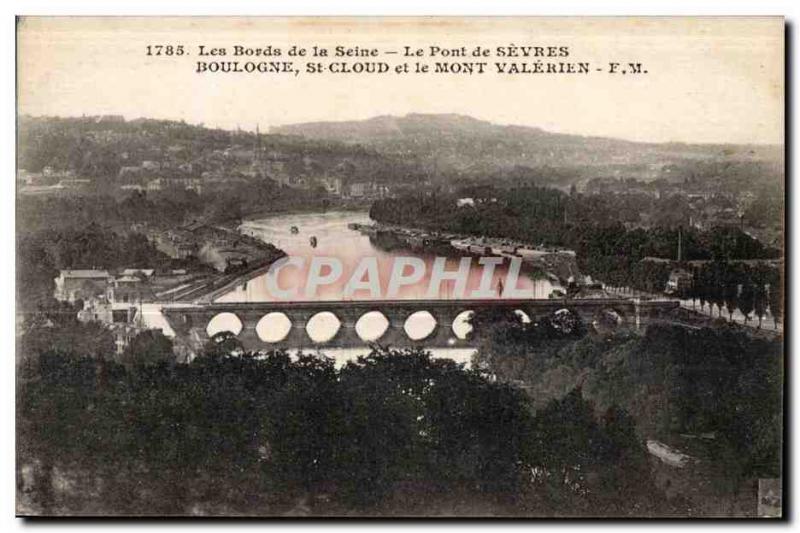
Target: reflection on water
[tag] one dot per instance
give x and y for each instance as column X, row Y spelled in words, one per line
column 328, row 235
column 334, row 239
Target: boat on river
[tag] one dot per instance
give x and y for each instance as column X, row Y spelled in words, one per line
column 480, row 249
column 460, row 245
column 505, row 248
column 530, row 253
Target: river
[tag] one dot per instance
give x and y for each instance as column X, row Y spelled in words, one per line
column 335, row 239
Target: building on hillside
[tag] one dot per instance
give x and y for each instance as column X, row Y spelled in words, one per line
column 56, row 175
column 462, row 202
column 130, row 173
column 101, row 309
column 96, row 309
column 146, row 272
column 75, row 183
column 358, row 189
column 109, row 119
column 189, row 184
column 679, row 281
column 123, row 333
column 72, row 285
column 122, row 319
column 332, row 185
column 127, row 289
column 370, row 190
column 26, row 178
column 176, row 244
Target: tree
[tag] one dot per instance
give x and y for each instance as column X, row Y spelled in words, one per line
column 566, row 442
column 484, row 321
column 147, row 348
column 222, row 344
column 775, row 302
column 66, row 335
column 303, row 423
column 760, row 302
column 55, row 421
column 730, row 296
column 746, row 300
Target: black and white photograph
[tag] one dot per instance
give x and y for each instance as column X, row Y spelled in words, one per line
column 393, row 267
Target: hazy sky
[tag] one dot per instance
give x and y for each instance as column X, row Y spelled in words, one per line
column 708, row 80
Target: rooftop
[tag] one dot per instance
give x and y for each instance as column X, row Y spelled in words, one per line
column 133, row 271
column 87, row 274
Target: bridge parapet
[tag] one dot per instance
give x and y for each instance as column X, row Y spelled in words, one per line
column 196, row 319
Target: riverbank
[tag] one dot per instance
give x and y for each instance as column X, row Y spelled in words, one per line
column 557, row 264
column 230, row 256
column 709, row 314
column 218, row 246
column 359, row 206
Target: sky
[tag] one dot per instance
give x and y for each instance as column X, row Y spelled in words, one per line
column 709, row 80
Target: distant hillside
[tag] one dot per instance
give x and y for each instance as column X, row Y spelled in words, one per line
column 461, row 143
column 438, row 150
column 113, row 151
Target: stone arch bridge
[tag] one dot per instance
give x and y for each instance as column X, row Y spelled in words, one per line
column 192, row 321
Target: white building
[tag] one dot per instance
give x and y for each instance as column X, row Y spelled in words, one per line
column 74, row 285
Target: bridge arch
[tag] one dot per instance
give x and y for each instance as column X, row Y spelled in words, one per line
column 323, row 327
column 524, row 316
column 461, row 326
column 420, row 325
column 225, row 321
column 371, row 326
column 608, row 319
column 196, row 322
column 273, row 327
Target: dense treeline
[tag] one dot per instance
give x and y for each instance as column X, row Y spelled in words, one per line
column 719, row 382
column 592, row 225
column 618, row 257
column 35, row 213
column 97, row 148
column 94, row 147
column 103, row 231
column 753, row 290
column 390, row 432
column 722, row 381
column 394, row 431
column 164, row 209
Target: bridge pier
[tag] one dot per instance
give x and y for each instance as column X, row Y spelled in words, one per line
column 190, row 322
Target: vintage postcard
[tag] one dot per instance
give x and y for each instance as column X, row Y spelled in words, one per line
column 400, row 267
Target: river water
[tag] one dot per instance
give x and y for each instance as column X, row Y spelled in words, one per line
column 335, row 240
